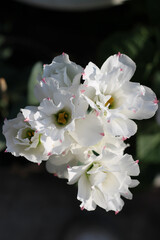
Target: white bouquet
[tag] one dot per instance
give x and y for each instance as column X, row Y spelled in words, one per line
column 79, row 128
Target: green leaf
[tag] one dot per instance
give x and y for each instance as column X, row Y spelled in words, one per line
column 2, row 145
column 148, row 148
column 36, row 70
column 156, row 82
column 128, row 42
column 138, row 44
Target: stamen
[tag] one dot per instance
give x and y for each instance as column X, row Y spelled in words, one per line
column 62, row 117
column 110, row 101
column 30, row 134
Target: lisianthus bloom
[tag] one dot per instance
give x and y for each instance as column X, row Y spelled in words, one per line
column 114, row 98
column 24, row 140
column 77, row 154
column 60, row 74
column 63, row 70
column 45, row 124
column 57, row 116
column 103, row 180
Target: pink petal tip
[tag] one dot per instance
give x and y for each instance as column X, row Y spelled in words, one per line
column 97, row 113
column 156, row 101
column 43, row 80
column 26, row 120
column 124, row 138
column 82, row 208
column 102, row 134
column 82, row 91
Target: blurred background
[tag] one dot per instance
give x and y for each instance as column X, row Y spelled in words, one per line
column 33, row 203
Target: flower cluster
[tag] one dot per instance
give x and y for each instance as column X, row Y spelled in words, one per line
column 79, row 128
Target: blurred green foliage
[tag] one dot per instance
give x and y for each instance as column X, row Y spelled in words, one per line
column 35, row 72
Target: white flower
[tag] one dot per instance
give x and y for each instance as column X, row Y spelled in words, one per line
column 62, row 70
column 77, row 154
column 60, row 74
column 88, row 130
column 114, row 98
column 24, row 140
column 103, row 180
column 57, row 117
column 44, row 125
column 59, row 164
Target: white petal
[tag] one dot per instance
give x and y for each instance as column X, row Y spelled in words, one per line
column 98, row 198
column 74, row 173
column 129, row 165
column 88, row 131
column 122, row 62
column 85, row 193
column 121, row 127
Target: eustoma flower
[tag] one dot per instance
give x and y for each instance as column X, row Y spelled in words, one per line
column 61, row 73
column 104, row 179
column 24, row 140
column 114, row 98
column 79, row 127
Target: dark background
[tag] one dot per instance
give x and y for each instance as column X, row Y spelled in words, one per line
column 33, row 203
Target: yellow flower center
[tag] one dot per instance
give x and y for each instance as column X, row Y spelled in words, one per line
column 62, row 117
column 29, row 134
column 110, row 102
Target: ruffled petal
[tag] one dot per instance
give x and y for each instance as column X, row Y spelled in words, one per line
column 88, row 131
